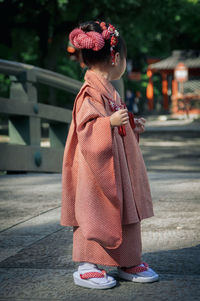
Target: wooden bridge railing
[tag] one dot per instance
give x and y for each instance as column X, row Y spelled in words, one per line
column 23, row 152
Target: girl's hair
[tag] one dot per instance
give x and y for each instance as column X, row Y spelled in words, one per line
column 91, row 57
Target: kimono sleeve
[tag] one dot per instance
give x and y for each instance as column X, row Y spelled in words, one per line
column 95, row 137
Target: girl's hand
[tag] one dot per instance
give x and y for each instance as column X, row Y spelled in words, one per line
column 119, row 118
column 140, row 125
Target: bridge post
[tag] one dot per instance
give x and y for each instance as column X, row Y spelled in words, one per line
column 22, row 129
column 23, row 150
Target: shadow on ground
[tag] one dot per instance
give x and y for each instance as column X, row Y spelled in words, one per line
column 43, row 271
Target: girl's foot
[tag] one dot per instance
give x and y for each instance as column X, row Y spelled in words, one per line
column 88, row 275
column 139, row 273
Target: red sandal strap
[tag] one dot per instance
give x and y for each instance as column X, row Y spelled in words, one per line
column 89, row 275
column 136, row 269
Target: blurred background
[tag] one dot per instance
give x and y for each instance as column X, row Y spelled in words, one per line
column 40, row 73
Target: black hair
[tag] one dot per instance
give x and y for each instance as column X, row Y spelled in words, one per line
column 91, row 57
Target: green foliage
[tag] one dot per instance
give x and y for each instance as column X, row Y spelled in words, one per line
column 36, row 31
column 62, row 3
column 151, row 27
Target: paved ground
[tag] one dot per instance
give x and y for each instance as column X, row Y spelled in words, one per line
column 35, row 251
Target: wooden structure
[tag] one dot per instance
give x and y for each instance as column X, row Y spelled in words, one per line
column 171, row 88
column 25, row 115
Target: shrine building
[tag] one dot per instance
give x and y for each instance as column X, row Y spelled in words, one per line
column 180, row 75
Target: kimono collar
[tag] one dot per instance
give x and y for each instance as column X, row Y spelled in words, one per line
column 100, row 83
column 106, row 90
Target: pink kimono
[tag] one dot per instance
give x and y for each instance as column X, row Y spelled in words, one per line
column 105, row 188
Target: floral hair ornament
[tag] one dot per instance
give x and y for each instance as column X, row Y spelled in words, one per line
column 95, row 40
column 110, row 33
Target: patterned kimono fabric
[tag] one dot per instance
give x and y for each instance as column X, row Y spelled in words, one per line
column 105, row 188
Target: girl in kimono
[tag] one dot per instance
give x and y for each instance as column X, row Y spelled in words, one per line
column 105, row 188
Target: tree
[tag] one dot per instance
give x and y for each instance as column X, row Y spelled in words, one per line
column 36, row 31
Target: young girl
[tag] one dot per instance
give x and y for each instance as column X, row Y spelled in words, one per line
column 105, row 188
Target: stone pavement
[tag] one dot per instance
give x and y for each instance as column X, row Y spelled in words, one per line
column 35, row 250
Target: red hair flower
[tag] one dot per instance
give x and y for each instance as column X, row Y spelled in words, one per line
column 110, row 33
column 111, row 29
column 103, row 25
column 113, row 41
